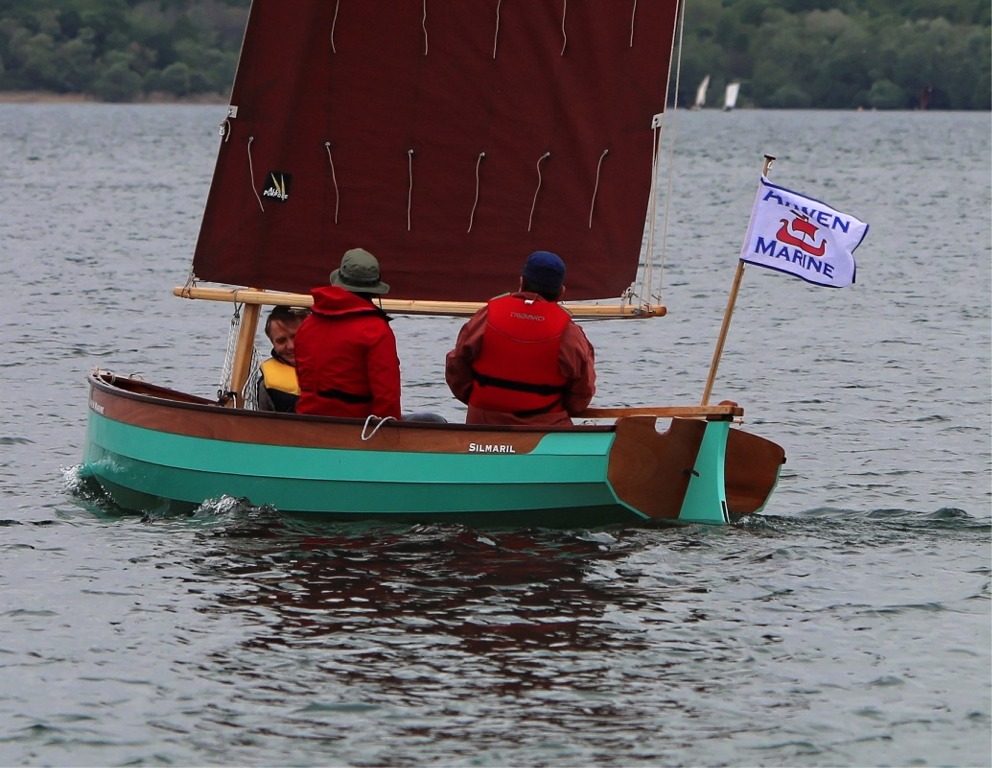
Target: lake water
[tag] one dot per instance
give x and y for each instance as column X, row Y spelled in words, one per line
column 849, row 625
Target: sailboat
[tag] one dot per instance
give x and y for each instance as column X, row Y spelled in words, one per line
column 730, row 96
column 701, row 93
column 450, row 139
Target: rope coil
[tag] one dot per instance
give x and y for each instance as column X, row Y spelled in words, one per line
column 366, row 435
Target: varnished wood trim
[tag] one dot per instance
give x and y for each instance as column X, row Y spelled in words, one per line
column 414, row 307
column 753, row 464
column 708, row 412
column 651, row 471
column 140, row 404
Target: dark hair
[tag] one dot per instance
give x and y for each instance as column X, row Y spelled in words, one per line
column 543, row 292
column 283, row 313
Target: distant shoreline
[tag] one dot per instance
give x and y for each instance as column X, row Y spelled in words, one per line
column 50, row 97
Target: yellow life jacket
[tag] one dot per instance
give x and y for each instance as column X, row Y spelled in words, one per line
column 280, row 377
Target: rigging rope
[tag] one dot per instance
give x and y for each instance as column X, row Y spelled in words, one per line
column 423, row 25
column 478, row 164
column 564, row 34
column 334, row 24
column 409, row 194
column 680, row 26
column 647, row 278
column 251, row 175
column 646, row 289
column 496, row 32
column 595, row 191
column 190, row 283
column 334, row 178
column 224, row 386
column 248, row 396
column 533, row 205
column 249, row 393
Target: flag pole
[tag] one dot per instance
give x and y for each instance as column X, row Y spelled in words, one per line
column 738, row 276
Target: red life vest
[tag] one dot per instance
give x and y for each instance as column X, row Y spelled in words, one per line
column 517, row 370
column 346, row 358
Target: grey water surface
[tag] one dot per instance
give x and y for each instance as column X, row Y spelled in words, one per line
column 849, row 625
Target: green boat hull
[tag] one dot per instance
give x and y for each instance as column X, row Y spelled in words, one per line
column 154, row 449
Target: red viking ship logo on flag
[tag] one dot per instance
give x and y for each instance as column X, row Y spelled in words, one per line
column 804, row 237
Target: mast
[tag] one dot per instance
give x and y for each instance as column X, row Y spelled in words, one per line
column 241, row 366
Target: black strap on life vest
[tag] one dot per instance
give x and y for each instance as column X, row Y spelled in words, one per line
column 347, row 397
column 283, row 402
column 519, row 386
column 523, row 386
column 555, row 406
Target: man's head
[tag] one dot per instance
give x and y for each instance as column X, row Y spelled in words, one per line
column 359, row 273
column 544, row 274
column 281, row 327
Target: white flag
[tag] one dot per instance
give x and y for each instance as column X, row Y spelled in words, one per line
column 802, row 236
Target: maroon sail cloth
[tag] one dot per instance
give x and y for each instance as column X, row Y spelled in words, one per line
column 361, row 124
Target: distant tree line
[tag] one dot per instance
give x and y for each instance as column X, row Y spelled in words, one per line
column 841, row 54
column 824, row 54
column 121, row 50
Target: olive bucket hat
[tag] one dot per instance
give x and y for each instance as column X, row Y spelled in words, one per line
column 359, row 273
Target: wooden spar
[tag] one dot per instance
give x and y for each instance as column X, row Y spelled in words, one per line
column 738, row 276
column 253, row 297
column 725, row 327
column 241, row 366
column 712, row 412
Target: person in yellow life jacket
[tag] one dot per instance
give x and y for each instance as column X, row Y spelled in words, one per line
column 521, row 359
column 278, row 388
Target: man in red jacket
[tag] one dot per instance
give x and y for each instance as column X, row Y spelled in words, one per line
column 521, row 359
column 346, row 358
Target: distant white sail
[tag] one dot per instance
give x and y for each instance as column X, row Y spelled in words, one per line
column 701, row 92
column 730, row 98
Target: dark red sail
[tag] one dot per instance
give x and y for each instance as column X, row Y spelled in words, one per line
column 448, row 137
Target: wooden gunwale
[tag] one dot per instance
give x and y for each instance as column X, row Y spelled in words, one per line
column 152, row 395
column 152, row 407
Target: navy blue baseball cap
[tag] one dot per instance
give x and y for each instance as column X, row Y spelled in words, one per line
column 544, row 271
